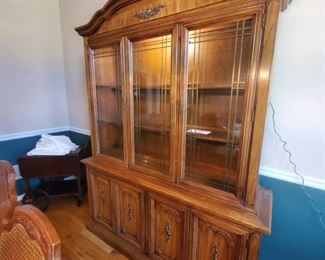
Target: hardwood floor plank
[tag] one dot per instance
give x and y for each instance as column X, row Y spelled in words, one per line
column 77, row 243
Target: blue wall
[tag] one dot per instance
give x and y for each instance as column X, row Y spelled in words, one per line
column 10, row 150
column 296, row 231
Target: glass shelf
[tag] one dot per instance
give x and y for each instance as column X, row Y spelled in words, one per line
column 150, row 87
column 217, row 86
column 213, row 134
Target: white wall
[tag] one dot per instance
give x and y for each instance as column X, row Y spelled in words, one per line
column 75, row 13
column 298, row 91
column 32, row 87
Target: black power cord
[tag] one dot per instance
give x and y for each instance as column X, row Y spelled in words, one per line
column 284, row 146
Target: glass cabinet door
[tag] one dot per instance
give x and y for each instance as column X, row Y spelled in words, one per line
column 107, row 69
column 218, row 67
column 152, row 65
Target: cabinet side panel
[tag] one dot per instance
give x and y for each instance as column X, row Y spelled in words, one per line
column 272, row 14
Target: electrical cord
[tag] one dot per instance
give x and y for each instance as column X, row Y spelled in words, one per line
column 284, row 146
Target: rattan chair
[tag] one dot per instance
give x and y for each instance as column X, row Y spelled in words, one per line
column 25, row 232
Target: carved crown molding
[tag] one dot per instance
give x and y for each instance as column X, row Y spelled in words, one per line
column 102, row 15
column 112, row 6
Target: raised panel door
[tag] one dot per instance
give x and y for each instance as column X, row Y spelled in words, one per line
column 132, row 216
column 167, row 230
column 103, row 200
column 215, row 240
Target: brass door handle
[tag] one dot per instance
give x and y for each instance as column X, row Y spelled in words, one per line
column 168, row 232
column 130, row 216
column 102, row 198
column 214, row 252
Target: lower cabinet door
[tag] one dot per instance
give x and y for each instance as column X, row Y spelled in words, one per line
column 132, row 215
column 168, row 221
column 216, row 240
column 102, row 194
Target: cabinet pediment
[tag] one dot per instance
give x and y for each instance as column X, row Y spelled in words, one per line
column 120, row 13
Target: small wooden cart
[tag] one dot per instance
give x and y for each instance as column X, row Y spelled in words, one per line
column 52, row 171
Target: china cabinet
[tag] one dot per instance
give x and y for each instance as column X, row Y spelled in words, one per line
column 177, row 99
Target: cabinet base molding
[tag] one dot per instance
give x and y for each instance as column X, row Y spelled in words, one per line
column 115, row 241
column 146, row 224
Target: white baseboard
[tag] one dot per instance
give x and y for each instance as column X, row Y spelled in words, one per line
column 33, row 133
column 43, row 131
column 79, row 130
column 293, row 178
column 18, row 176
column 20, row 197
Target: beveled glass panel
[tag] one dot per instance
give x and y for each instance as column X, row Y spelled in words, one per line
column 109, row 100
column 151, row 95
column 218, row 66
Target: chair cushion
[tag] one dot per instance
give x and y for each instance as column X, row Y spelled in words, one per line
column 17, row 245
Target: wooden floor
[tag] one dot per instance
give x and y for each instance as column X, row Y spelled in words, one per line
column 76, row 241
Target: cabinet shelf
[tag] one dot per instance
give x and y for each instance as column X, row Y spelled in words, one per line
column 149, row 127
column 205, row 173
column 112, row 87
column 218, row 86
column 158, row 128
column 221, row 89
column 153, row 162
column 118, row 123
column 151, row 87
column 216, row 134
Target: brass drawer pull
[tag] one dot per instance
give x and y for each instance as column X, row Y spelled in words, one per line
column 102, row 198
column 168, row 232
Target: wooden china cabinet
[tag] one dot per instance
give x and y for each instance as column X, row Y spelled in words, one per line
column 177, row 98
